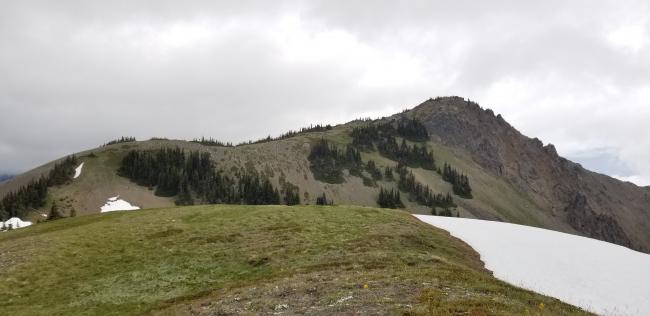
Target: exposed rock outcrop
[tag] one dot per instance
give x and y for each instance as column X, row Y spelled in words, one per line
column 605, row 208
column 581, row 216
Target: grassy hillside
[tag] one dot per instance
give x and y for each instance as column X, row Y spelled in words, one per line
column 286, row 160
column 222, row 260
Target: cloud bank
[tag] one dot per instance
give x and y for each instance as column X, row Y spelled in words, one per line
column 74, row 74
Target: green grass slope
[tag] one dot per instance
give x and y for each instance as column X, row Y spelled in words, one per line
column 223, row 260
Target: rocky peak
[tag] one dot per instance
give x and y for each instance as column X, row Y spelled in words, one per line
column 557, row 185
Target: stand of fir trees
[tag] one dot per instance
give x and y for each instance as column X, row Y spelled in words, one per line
column 388, row 174
column 412, row 155
column 459, row 181
column 389, row 199
column 412, row 129
column 327, row 161
column 122, row 139
column 255, row 190
column 373, row 170
column 444, row 212
column 383, row 137
column 211, row 142
column 291, row 194
column 322, row 200
column 421, row 194
column 192, row 178
column 63, row 171
column 29, row 197
column 365, row 137
column 34, row 195
column 289, row 134
column 55, row 213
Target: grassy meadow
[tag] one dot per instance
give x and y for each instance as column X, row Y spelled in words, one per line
column 251, row 260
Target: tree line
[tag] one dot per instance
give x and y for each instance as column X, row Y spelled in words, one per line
column 327, row 161
column 33, row 195
column 123, row 139
column 459, row 181
column 193, row 178
column 410, row 129
column 383, row 137
column 322, row 200
column 289, row 134
column 420, row 193
column 412, row 155
column 389, row 198
column 211, row 142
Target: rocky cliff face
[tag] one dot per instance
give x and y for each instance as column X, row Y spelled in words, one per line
column 594, row 205
column 582, row 217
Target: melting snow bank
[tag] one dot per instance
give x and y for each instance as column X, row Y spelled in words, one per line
column 77, row 171
column 117, row 204
column 14, row 223
column 598, row 276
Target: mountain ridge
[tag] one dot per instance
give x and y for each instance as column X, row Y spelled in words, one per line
column 516, row 178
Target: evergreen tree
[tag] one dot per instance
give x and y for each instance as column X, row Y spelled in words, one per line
column 54, row 212
column 63, row 171
column 373, row 170
column 460, row 182
column 327, row 161
column 3, row 213
column 420, row 193
column 389, row 199
column 322, row 200
column 388, row 174
column 292, row 195
column 445, row 212
column 192, row 177
column 412, row 129
column 26, row 198
column 184, row 195
column 120, row 140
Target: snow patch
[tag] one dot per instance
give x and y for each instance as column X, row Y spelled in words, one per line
column 14, row 223
column 116, row 204
column 77, row 171
column 598, row 276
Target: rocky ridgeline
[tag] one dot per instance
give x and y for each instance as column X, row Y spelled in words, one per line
column 593, row 204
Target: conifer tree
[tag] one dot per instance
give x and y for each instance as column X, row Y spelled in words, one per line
column 388, row 174
column 322, row 200
column 54, row 212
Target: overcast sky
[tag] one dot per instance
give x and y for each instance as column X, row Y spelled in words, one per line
column 75, row 74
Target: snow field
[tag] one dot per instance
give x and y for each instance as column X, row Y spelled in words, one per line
column 77, row 171
column 116, row 204
column 598, row 276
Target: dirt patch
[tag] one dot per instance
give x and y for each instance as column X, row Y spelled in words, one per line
column 319, row 293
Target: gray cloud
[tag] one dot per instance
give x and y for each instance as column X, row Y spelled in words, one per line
column 74, row 74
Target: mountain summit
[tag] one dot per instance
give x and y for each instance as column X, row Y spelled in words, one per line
column 593, row 204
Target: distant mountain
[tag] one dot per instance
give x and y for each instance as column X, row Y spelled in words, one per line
column 481, row 167
column 4, row 177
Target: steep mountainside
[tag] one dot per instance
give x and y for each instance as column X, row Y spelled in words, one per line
column 595, row 205
column 513, row 178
